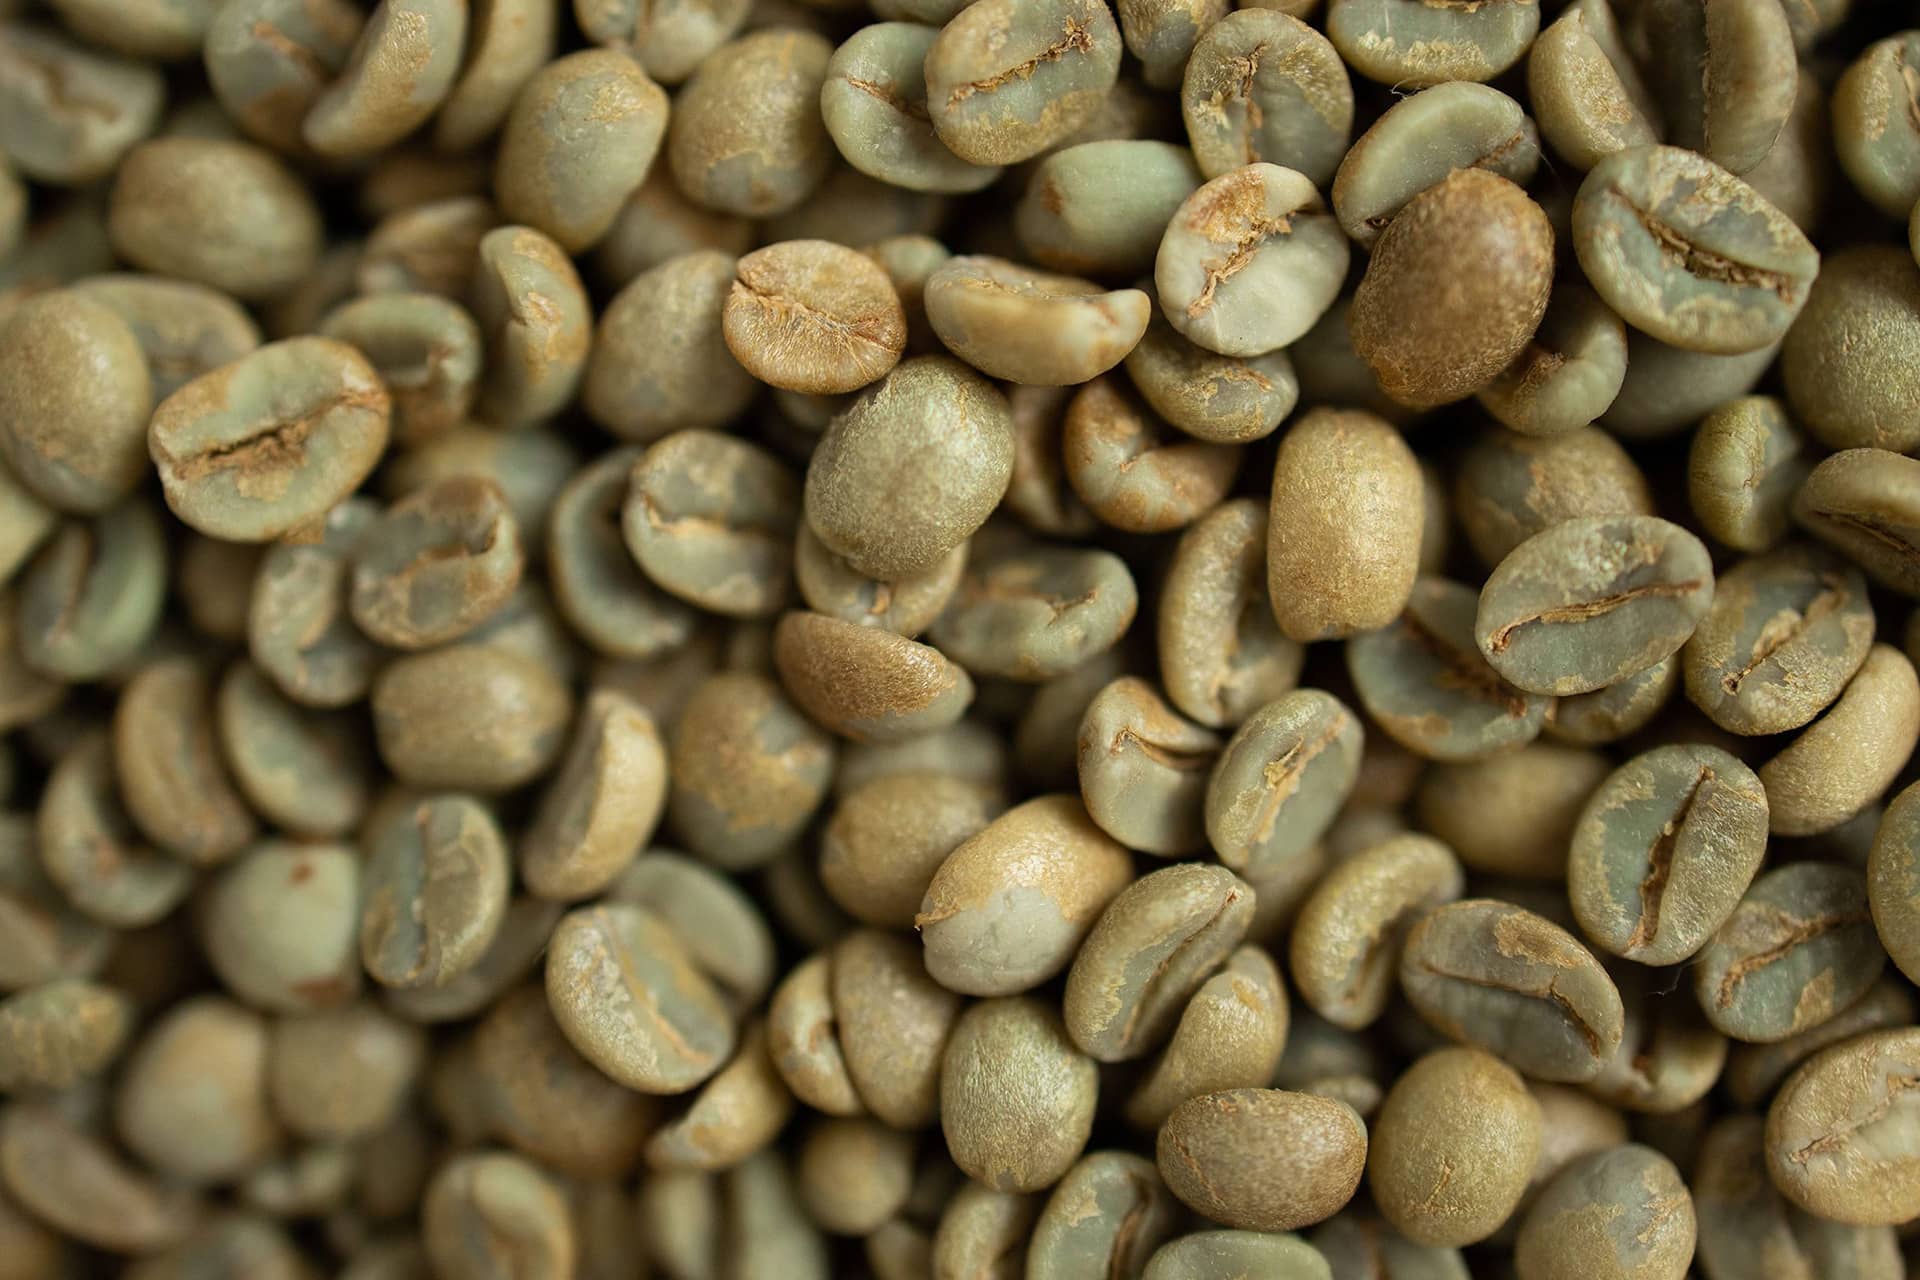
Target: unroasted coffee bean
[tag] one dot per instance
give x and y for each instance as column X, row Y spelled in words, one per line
column 226, row 214
column 489, row 1213
column 629, row 997
column 602, row 805
column 1230, row 1036
column 89, row 601
column 1861, row 502
column 1263, row 1159
column 1132, row 472
column 78, row 1183
column 745, row 770
column 854, row 1175
column 1665, row 850
column 1511, row 486
column 281, row 925
column 1688, row 253
column 61, row 1033
column 1669, row 1056
column 1631, row 1198
column 1108, row 1214
column 1725, row 78
column 470, row 717
column 537, row 321
column 1747, row 462
column 1219, row 1255
column 889, row 837
column 1152, row 947
column 1143, row 769
column 1281, row 779
column 1250, row 261
column 579, row 140
column 605, row 597
column 1457, row 284
column 1419, row 141
column 1591, row 601
column 952, row 431
column 746, row 135
column 1847, row 759
column 1452, row 1147
column 811, row 316
column 1036, row 611
column 1262, row 85
column 1222, row 655
column 168, row 767
column 1493, row 974
column 1346, row 940
column 659, row 361
column 1423, row 680
column 865, row 683
column 710, row 519
column 1784, row 635
column 895, row 1022
column 90, row 850
column 1006, row 81
column 1511, row 814
column 1799, row 948
column 906, row 605
column 193, row 1104
column 1836, row 1133
column 427, row 349
column 64, row 137
column 1849, row 394
column 401, row 68
column 436, row 565
column 720, row 926
column 1876, row 142
column 1099, row 208
column 1343, row 529
column 1224, row 399
column 1032, row 327
column 1016, row 1097
column 74, row 387
column 1007, row 909
column 272, row 441
column 435, row 892
column 1587, row 88
column 1571, row 370
column 980, row 1228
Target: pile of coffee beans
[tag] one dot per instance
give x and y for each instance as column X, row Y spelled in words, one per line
column 943, row 640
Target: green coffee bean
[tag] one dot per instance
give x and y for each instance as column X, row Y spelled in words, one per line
column 1851, row 395
column 1250, row 261
column 1835, row 1132
column 1425, row 683
column 1346, row 940
column 426, row 349
column 1143, row 769
column 1152, row 947
column 401, row 69
column 60, row 1033
column 875, row 106
column 1007, row 81
column 537, row 321
column 1281, row 779
column 74, row 390
column 89, row 848
column 1016, row 1096
column 1224, row 399
column 1493, row 974
column 1664, row 851
column 580, row 138
column 1591, row 601
column 1587, row 89
column 1847, row 759
column 302, row 770
column 224, row 214
column 1631, row 1198
column 1726, row 80
column 746, row 770
column 746, row 135
column 469, row 717
column 1008, row 908
column 1263, row 85
column 1799, row 948
column 1688, row 253
column 167, row 764
column 282, row 926
column 814, row 317
column 1230, row 1036
column 271, row 442
column 92, row 595
column 1877, row 145
column 1406, row 42
column 435, row 892
column 1511, row 486
column 71, row 114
